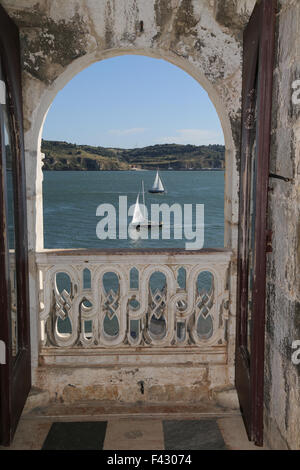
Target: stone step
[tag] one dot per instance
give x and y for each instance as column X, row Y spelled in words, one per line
column 99, row 410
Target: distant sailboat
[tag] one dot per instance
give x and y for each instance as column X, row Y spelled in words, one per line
column 139, row 220
column 157, row 187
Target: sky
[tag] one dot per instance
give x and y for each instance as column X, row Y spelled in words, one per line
column 133, row 101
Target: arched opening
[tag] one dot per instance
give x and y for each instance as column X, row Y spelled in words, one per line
column 197, row 185
column 131, row 305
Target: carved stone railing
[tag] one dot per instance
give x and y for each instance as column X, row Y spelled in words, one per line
column 97, row 304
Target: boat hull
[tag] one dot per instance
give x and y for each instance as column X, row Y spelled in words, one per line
column 154, row 191
column 149, row 225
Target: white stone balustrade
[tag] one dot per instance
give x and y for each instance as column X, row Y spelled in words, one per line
column 116, row 302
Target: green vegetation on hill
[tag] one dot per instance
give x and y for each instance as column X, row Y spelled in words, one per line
column 66, row 156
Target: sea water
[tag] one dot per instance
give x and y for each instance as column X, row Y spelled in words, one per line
column 71, row 198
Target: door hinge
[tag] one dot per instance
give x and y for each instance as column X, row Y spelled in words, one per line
column 2, row 92
column 2, row 353
column 279, row 177
column 269, row 247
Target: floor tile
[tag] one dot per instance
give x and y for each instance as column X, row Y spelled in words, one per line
column 133, row 434
column 193, row 435
column 30, row 435
column 234, row 434
column 76, row 436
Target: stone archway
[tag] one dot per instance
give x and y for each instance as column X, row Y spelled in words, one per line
column 34, row 135
column 59, row 41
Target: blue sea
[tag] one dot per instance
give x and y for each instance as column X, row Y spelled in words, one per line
column 71, row 200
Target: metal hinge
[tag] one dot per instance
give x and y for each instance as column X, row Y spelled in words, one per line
column 2, row 92
column 269, row 248
column 279, row 177
column 2, row 353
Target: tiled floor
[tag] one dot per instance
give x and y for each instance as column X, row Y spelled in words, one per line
column 133, row 434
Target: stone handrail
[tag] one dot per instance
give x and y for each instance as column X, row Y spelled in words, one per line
column 115, row 300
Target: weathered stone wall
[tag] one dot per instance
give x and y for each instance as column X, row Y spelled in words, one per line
column 178, row 383
column 282, row 377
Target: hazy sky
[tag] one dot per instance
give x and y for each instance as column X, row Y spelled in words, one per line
column 133, row 101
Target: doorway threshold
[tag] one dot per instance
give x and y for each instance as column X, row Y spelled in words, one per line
column 95, row 410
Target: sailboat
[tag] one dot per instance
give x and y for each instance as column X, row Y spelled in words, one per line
column 139, row 220
column 157, row 185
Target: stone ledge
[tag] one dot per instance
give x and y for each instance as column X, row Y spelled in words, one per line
column 227, row 398
column 95, row 410
column 36, row 398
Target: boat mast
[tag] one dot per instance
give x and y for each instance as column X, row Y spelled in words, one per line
column 143, row 189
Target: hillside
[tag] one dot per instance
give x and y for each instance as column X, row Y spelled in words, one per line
column 66, row 156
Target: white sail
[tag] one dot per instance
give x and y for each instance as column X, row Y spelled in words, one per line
column 138, row 217
column 157, row 185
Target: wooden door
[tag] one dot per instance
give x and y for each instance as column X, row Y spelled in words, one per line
column 15, row 373
column 258, row 57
